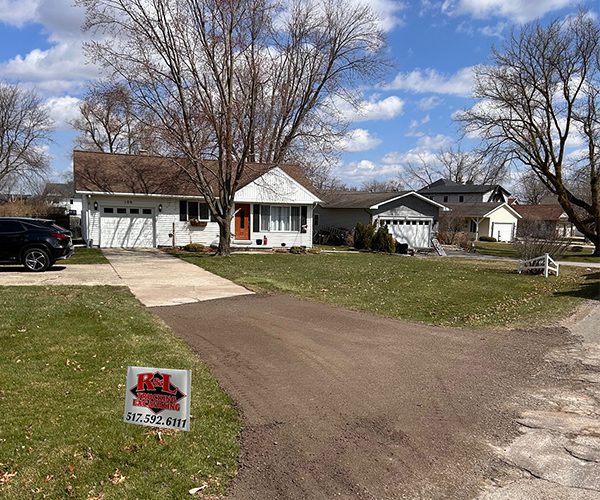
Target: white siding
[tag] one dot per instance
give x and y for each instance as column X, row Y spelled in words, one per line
column 184, row 233
column 275, row 187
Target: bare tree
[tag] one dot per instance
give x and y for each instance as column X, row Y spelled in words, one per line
column 375, row 186
column 235, row 81
column 25, row 129
column 452, row 163
column 531, row 190
column 538, row 99
column 109, row 121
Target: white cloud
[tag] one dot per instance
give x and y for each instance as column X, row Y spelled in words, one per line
column 358, row 140
column 357, row 172
column 388, row 12
column 428, row 103
column 62, row 66
column 18, row 12
column 413, row 128
column 521, row 11
column 495, row 30
column 63, row 110
column 372, row 109
column 432, row 81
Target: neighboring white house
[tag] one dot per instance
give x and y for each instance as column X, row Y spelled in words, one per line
column 493, row 220
column 141, row 201
column 409, row 216
column 63, row 195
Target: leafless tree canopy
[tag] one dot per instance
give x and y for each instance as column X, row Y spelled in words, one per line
column 235, row 81
column 375, row 186
column 464, row 167
column 109, row 122
column 531, row 190
column 25, row 129
column 539, row 105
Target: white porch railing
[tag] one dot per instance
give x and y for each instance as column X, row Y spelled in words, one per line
column 544, row 263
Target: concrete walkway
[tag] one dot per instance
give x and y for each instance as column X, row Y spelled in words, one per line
column 69, row 275
column 159, row 279
column 155, row 278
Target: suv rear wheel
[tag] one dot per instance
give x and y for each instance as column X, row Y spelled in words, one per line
column 36, row 260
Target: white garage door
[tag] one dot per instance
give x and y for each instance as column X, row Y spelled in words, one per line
column 503, row 231
column 416, row 233
column 130, row 227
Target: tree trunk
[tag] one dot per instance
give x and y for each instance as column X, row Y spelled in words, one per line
column 597, row 247
column 224, row 248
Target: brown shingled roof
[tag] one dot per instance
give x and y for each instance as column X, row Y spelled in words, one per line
column 144, row 174
column 547, row 212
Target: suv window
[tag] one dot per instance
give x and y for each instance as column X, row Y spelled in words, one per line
column 10, row 226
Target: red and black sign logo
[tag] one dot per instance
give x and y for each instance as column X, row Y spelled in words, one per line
column 156, row 392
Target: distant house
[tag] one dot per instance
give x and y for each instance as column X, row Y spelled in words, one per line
column 493, row 220
column 545, row 218
column 446, row 191
column 142, row 201
column 63, row 195
column 409, row 216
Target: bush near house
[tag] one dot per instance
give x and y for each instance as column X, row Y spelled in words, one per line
column 363, row 236
column 194, row 247
column 489, row 239
column 383, row 241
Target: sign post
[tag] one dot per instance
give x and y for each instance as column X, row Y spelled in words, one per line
column 158, row 397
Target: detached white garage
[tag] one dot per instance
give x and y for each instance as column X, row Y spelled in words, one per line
column 415, row 233
column 126, row 227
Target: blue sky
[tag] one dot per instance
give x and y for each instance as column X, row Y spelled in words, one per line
column 432, row 44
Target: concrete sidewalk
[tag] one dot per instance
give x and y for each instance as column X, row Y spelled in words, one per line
column 159, row 279
column 69, row 275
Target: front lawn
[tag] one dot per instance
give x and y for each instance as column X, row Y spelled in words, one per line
column 85, row 255
column 433, row 290
column 508, row 250
column 65, row 351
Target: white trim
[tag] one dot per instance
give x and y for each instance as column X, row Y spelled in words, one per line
column 302, row 188
column 506, row 205
column 410, row 193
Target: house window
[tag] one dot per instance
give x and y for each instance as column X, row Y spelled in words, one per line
column 121, row 210
column 277, row 218
column 445, row 199
column 473, row 227
column 461, row 198
column 147, row 211
column 315, row 219
column 134, row 210
column 193, row 210
column 108, row 210
column 71, row 202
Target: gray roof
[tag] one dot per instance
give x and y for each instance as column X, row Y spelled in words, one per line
column 444, row 186
column 472, row 209
column 356, row 199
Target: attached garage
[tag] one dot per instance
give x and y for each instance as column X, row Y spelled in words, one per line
column 503, row 231
column 415, row 233
column 127, row 227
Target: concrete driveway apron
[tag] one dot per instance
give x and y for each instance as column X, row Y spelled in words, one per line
column 159, row 279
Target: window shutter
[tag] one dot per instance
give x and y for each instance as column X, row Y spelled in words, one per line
column 193, row 209
column 256, row 218
column 182, row 210
column 303, row 219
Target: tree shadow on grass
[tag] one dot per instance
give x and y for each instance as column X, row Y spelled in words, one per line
column 590, row 289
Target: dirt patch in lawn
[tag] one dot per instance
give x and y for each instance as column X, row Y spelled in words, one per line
column 346, row 404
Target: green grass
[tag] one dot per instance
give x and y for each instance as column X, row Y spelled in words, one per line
column 65, row 351
column 84, row 255
column 454, row 292
column 508, row 250
column 339, row 248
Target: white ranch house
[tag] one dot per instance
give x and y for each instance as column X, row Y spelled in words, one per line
column 146, row 202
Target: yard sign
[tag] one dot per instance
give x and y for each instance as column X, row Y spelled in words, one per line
column 158, row 397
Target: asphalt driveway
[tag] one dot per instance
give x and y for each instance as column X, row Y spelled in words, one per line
column 350, row 405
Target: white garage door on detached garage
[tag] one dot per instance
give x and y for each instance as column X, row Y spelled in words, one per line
column 503, row 231
column 126, row 227
column 416, row 233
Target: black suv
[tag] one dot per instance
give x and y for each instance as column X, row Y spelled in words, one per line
column 35, row 243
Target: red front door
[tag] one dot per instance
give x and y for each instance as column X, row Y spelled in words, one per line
column 242, row 221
